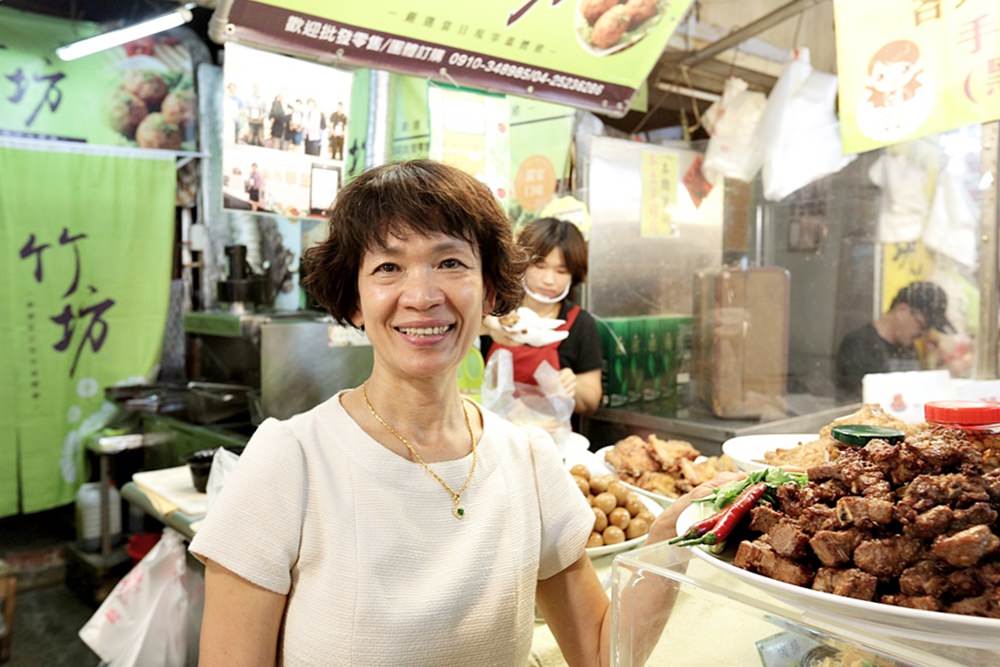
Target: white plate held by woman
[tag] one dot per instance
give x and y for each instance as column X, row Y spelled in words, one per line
column 747, row 451
column 915, row 624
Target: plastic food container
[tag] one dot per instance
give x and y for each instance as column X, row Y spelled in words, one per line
column 977, row 416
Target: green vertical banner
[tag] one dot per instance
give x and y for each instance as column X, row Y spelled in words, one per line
column 357, row 125
column 409, row 118
column 87, row 242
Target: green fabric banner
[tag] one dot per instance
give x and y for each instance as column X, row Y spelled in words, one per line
column 87, row 241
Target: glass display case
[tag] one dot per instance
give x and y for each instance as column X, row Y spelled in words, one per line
column 714, row 617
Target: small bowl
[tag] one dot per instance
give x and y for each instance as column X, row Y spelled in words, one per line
column 200, row 464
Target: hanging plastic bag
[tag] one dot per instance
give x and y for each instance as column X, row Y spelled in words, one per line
column 953, row 225
column 546, row 405
column 152, row 617
column 732, row 122
column 224, row 462
column 798, row 138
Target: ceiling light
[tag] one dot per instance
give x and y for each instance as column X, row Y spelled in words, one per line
column 107, row 40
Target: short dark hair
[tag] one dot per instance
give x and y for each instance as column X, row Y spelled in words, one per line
column 422, row 196
column 541, row 236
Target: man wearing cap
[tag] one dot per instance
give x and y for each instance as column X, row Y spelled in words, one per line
column 886, row 345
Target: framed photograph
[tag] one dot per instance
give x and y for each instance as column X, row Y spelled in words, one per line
column 282, row 119
column 323, row 188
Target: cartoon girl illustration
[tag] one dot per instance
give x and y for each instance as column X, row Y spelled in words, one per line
column 898, row 95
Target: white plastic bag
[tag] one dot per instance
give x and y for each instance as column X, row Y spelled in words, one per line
column 546, row 405
column 224, row 462
column 952, row 227
column 152, row 617
column 732, row 122
column 798, row 138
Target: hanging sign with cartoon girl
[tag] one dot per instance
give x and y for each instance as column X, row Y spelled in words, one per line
column 910, row 68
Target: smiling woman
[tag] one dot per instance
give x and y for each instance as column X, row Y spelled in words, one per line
column 397, row 523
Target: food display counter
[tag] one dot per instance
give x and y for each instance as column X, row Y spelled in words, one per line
column 718, row 618
column 699, row 427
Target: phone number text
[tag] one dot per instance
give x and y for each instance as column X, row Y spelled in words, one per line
column 526, row 74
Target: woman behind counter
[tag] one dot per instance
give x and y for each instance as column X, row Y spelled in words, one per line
column 396, row 523
column 558, row 263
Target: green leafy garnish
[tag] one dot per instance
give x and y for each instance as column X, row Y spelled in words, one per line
column 773, row 477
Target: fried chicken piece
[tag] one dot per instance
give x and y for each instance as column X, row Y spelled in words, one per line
column 852, row 583
column 658, row 482
column 888, row 557
column 864, row 512
column 926, row 491
column 835, row 547
column 630, row 457
column 987, row 604
column 760, row 557
column 670, row 453
column 926, row 577
column 763, row 517
column 788, row 540
column 926, row 525
column 967, row 547
column 924, row 602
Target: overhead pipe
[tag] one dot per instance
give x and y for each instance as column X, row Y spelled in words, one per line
column 765, row 22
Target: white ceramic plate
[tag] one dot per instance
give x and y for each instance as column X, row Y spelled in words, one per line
column 572, row 445
column 747, row 450
column 589, row 459
column 899, row 621
column 597, row 468
column 663, row 500
column 597, row 552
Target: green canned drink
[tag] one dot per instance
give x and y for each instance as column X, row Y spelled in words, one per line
column 614, row 372
column 636, row 350
column 653, row 359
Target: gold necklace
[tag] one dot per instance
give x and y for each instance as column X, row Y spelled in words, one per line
column 456, row 496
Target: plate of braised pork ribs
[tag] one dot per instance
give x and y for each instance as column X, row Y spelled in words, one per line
column 904, row 535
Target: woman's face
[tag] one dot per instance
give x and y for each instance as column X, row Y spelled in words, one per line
column 421, row 300
column 548, row 275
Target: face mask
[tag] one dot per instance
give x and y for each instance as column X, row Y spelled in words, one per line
column 545, row 299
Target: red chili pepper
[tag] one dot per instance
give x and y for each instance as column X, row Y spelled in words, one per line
column 735, row 513
column 700, row 528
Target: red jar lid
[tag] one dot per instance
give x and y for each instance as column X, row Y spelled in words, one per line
column 970, row 413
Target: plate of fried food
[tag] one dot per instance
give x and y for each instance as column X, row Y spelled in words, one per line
column 661, row 470
column 801, row 451
column 622, row 518
column 792, row 451
column 903, row 536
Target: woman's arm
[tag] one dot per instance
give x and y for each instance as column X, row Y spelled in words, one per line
column 585, row 389
column 577, row 609
column 241, row 621
column 588, row 392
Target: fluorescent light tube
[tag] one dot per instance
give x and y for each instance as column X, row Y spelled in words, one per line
column 107, row 40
